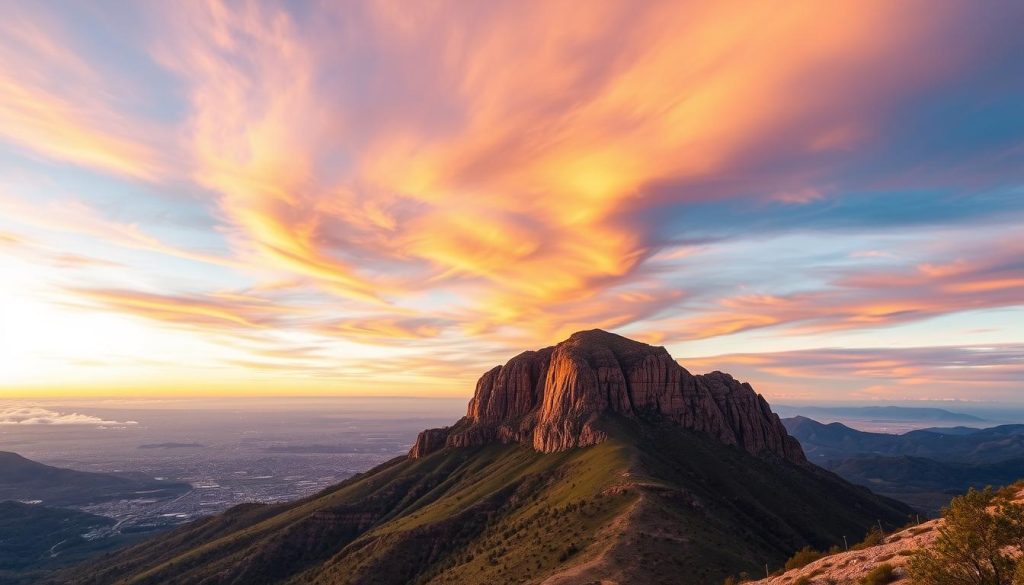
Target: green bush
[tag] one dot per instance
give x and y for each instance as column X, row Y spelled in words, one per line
column 973, row 545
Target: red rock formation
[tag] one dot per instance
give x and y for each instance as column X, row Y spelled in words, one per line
column 554, row 399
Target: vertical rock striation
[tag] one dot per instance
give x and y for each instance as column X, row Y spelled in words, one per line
column 554, row 399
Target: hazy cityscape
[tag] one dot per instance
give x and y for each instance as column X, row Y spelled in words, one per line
column 253, row 450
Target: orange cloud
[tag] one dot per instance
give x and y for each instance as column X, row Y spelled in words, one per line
column 560, row 121
column 879, row 373
column 10, row 240
column 199, row 312
column 56, row 104
column 987, row 277
column 384, row 329
column 73, row 216
column 501, row 173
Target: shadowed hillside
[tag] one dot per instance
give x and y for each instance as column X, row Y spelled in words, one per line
column 24, row 479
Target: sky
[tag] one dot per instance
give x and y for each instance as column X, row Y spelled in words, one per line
column 387, row 198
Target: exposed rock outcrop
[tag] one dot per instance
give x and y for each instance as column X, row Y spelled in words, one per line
column 554, row 399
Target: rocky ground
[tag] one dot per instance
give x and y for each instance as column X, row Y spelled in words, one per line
column 849, row 567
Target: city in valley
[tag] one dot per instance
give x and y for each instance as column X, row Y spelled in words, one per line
column 215, row 453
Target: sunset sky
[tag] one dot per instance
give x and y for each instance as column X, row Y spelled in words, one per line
column 823, row 198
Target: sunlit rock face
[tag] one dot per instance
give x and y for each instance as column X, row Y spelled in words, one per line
column 554, row 399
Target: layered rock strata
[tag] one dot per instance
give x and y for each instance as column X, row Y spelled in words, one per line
column 554, row 399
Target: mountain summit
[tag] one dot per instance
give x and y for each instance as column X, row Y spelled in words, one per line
column 597, row 460
column 560, row 397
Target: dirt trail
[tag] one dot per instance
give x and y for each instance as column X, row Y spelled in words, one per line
column 601, row 568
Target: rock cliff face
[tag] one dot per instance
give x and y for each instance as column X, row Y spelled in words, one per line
column 554, row 399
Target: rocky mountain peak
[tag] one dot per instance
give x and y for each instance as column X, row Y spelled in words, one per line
column 556, row 398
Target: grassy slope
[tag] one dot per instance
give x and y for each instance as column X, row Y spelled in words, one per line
column 509, row 515
column 659, row 504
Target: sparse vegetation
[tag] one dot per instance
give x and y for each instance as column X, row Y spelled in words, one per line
column 803, row 557
column 880, row 575
column 874, row 537
column 976, row 543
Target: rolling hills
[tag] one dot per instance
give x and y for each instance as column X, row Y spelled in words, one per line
column 823, row 442
column 924, row 468
column 599, row 459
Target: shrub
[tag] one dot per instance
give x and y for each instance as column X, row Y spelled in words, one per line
column 802, row 558
column 874, row 537
column 973, row 544
column 880, row 575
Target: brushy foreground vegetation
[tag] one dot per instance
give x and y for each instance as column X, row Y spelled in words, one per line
column 979, row 543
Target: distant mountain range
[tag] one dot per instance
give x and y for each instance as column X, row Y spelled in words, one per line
column 599, row 459
column 879, row 413
column 924, row 468
column 22, row 479
column 172, row 446
column 834, row 440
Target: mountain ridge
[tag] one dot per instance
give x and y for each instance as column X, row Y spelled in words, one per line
column 823, row 441
column 880, row 413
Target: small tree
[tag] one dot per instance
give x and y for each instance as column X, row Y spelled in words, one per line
column 972, row 546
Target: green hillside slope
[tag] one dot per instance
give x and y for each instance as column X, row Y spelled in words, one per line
column 656, row 503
